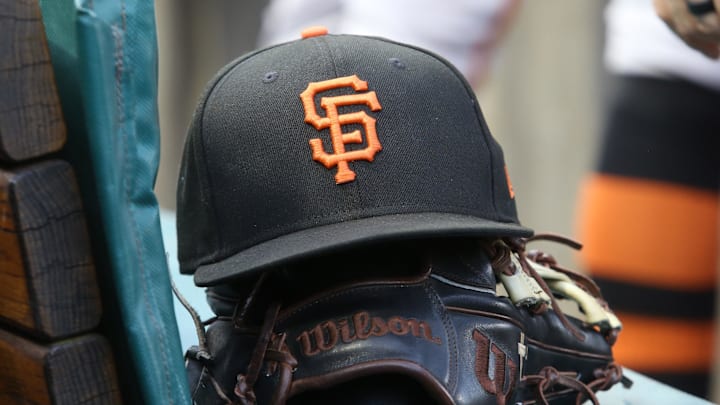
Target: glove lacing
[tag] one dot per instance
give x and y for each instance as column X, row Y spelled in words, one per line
column 245, row 382
column 500, row 252
column 270, row 347
column 550, row 377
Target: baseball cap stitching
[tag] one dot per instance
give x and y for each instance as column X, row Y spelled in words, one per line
column 324, row 47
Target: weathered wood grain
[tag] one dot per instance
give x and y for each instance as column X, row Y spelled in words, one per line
column 75, row 371
column 31, row 122
column 46, row 269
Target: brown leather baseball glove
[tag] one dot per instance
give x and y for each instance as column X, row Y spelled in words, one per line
column 434, row 322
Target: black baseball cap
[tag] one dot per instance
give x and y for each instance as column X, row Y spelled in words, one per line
column 330, row 142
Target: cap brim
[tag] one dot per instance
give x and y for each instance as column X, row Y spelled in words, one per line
column 327, row 238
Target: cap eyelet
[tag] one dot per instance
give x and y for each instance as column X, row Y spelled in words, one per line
column 270, row 77
column 397, row 63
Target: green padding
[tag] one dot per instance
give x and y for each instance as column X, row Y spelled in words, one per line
column 105, row 57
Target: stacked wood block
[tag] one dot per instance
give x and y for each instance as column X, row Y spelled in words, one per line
column 50, row 306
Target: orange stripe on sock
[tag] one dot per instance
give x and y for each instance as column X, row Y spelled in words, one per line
column 648, row 232
column 664, row 345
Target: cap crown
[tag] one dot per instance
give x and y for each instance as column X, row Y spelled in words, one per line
column 331, row 130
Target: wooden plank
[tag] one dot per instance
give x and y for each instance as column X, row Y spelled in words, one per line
column 31, row 122
column 75, row 371
column 46, row 269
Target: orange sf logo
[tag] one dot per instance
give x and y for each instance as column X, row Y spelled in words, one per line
column 334, row 121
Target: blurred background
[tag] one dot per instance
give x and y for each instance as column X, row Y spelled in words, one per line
column 543, row 96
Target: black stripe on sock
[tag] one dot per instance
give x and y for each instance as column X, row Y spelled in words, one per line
column 664, row 130
column 645, row 300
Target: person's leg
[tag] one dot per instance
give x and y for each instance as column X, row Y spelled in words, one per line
column 649, row 222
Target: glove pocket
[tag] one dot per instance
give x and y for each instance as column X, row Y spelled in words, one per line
column 384, row 332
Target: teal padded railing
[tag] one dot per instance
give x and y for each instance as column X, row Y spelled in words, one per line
column 104, row 53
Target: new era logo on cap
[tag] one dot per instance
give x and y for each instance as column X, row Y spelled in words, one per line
column 334, row 121
column 332, row 142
